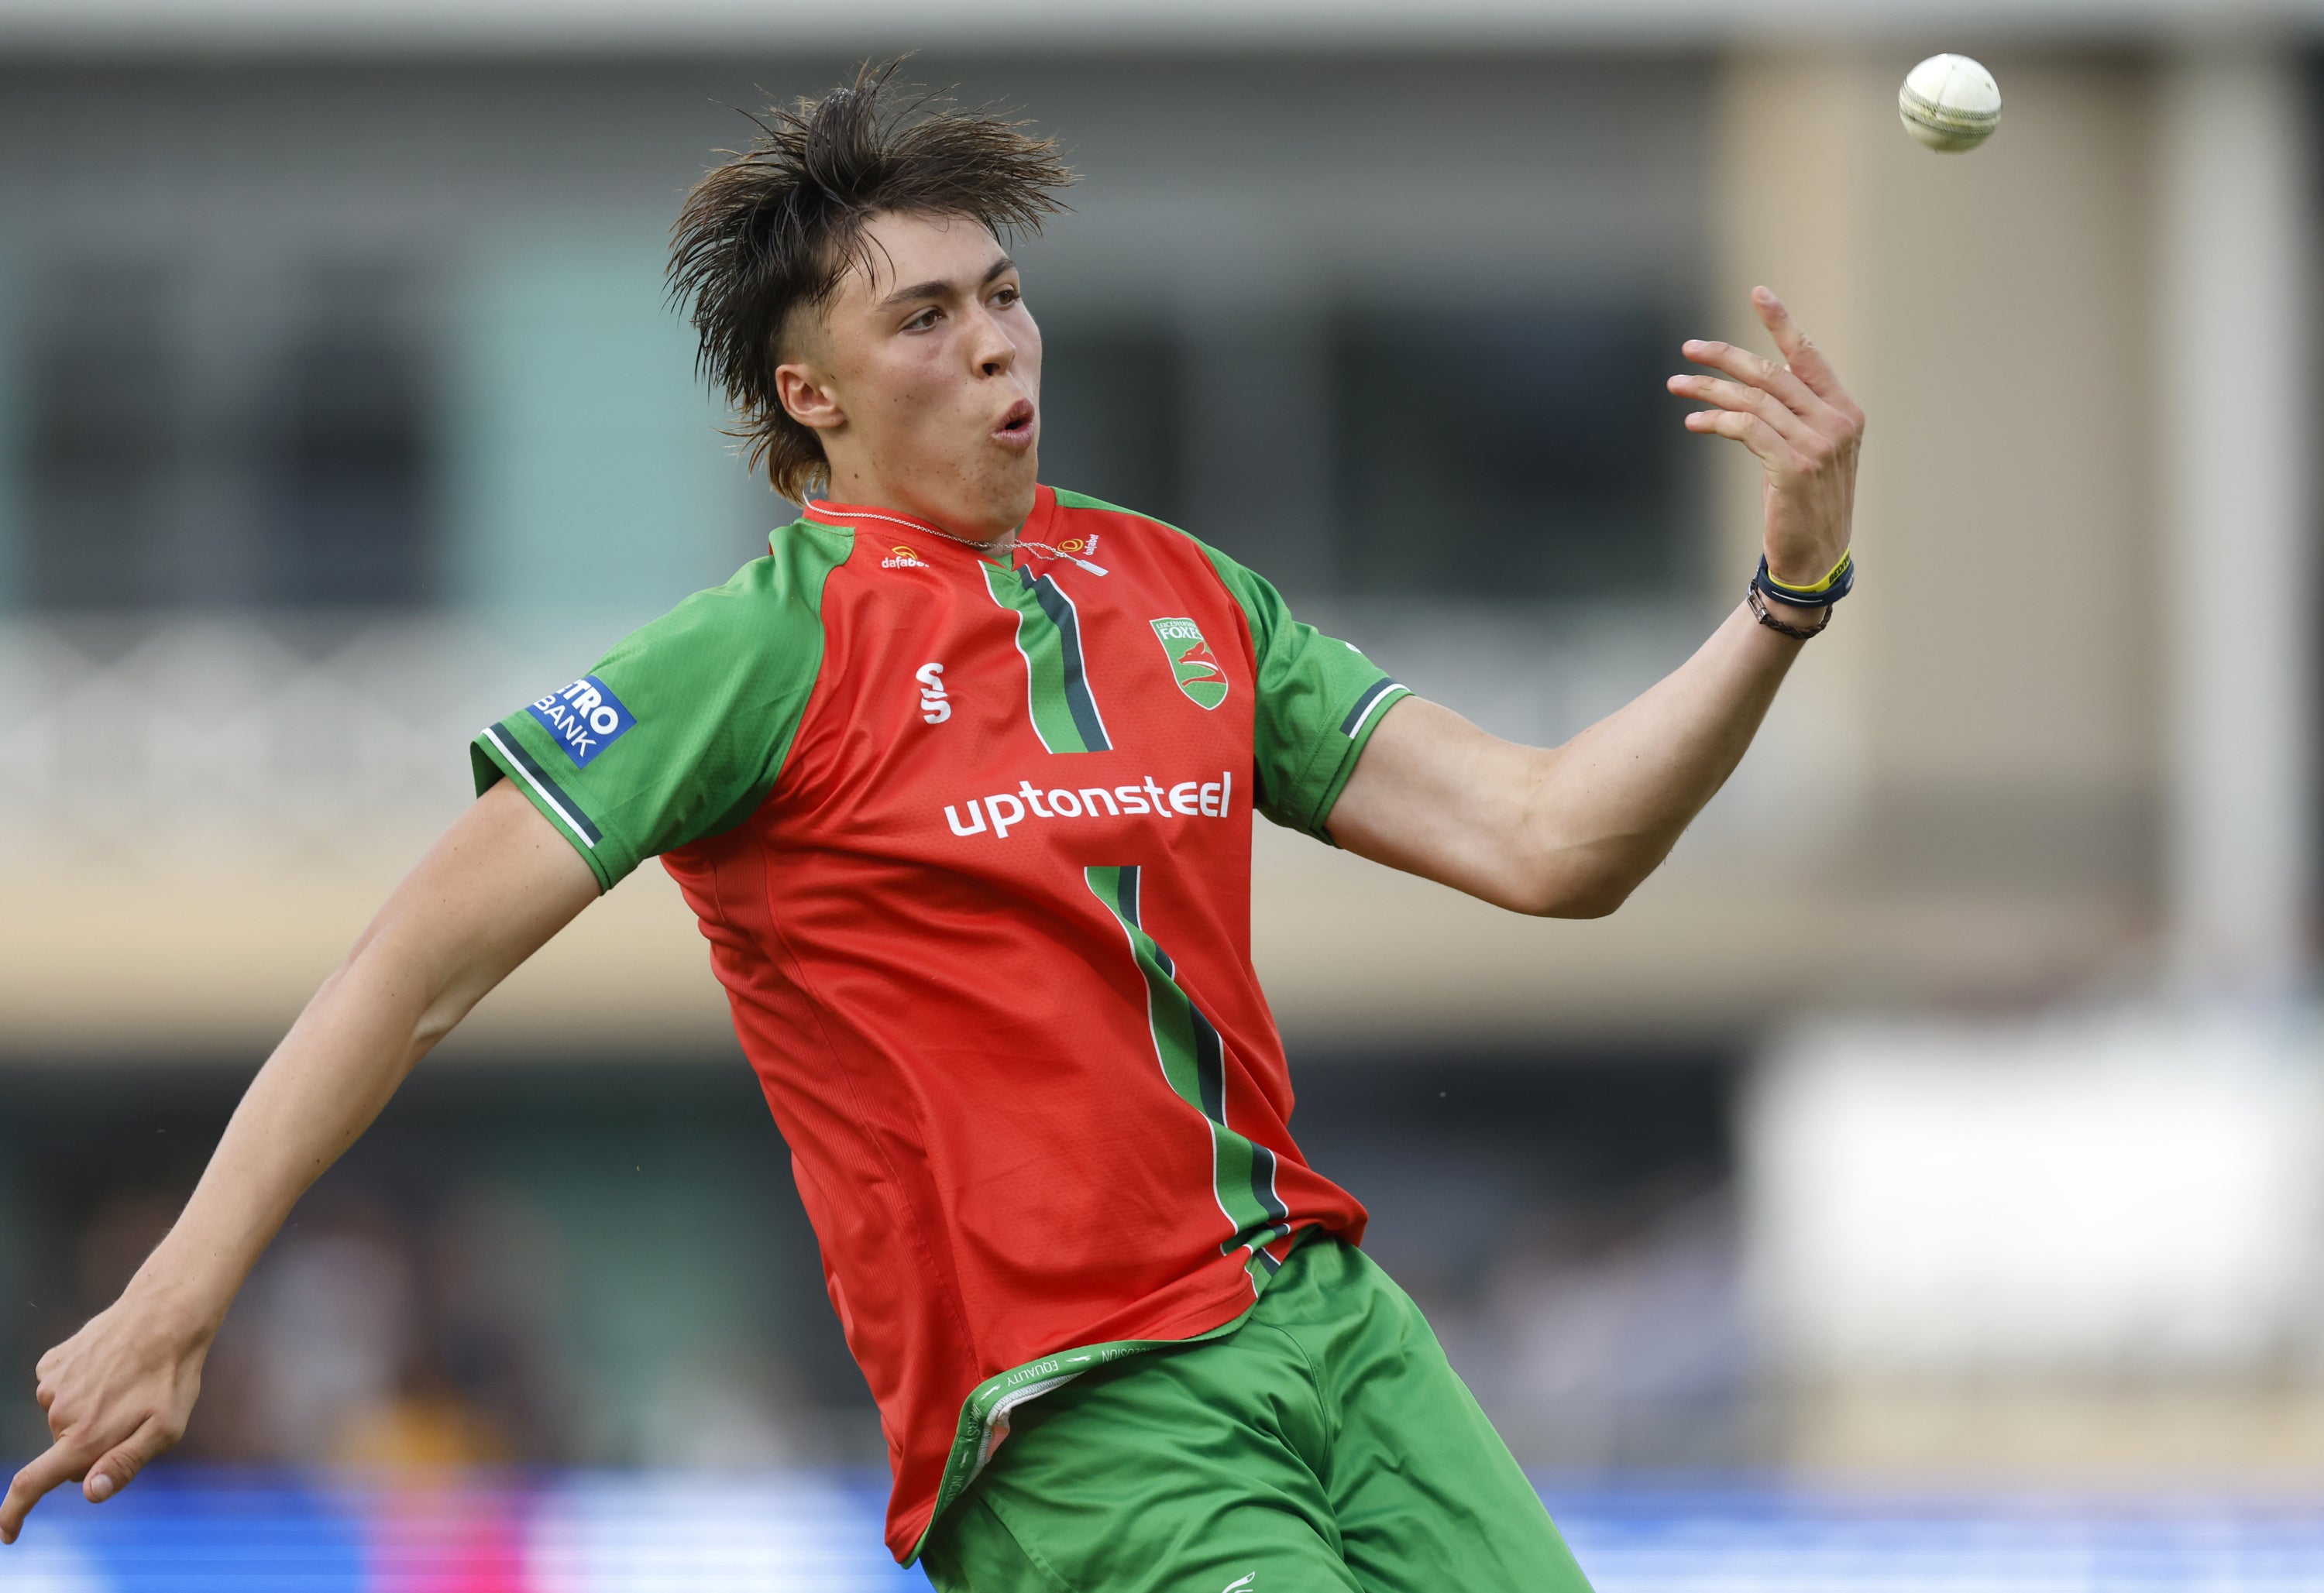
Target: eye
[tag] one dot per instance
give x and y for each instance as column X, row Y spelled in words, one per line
column 924, row 320
column 1008, row 296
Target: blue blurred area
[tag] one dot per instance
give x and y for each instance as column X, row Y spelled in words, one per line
column 810, row 1530
column 197, row 1529
column 1730, row 1536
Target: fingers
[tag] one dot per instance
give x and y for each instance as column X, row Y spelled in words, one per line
column 1773, row 449
column 109, row 1476
column 1800, row 403
column 1758, row 371
column 60, row 1465
column 1805, row 359
column 67, row 1458
column 1750, row 400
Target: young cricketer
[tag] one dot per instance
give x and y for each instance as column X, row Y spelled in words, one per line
column 959, row 780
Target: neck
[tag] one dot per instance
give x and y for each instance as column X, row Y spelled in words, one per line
column 870, row 489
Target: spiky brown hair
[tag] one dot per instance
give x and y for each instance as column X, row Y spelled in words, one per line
column 772, row 232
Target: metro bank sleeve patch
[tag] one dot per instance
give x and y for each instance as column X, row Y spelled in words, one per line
column 586, row 718
column 710, row 697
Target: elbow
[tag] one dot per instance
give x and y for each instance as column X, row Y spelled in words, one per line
column 1597, row 904
column 1567, row 885
column 1575, row 900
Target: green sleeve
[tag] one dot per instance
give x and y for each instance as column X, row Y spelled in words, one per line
column 1319, row 702
column 681, row 730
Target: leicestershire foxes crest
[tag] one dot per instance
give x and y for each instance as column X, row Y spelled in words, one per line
column 1192, row 661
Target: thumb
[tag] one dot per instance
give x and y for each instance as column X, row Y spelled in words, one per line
column 121, row 1465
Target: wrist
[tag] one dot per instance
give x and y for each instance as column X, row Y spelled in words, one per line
column 1792, row 614
column 179, row 1304
column 1799, row 611
column 1794, row 620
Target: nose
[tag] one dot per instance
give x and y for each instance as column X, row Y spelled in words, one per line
column 994, row 350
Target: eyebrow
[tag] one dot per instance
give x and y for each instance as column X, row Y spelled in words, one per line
column 938, row 289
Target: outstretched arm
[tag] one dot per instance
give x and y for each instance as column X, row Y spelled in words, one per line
column 1570, row 832
column 490, row 892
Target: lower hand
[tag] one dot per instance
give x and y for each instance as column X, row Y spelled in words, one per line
column 1800, row 423
column 118, row 1394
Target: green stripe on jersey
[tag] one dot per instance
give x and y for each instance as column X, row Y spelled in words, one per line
column 1315, row 702
column 1058, row 692
column 1193, row 1060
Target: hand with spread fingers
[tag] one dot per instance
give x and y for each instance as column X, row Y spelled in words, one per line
column 1800, row 423
column 1570, row 831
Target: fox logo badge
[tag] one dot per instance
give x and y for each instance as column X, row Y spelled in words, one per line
column 1192, row 661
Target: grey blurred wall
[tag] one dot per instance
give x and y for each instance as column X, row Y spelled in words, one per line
column 349, row 391
column 1390, row 328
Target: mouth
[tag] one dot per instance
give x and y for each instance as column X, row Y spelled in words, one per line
column 1016, row 428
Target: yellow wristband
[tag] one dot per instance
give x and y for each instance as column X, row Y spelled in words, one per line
column 1830, row 579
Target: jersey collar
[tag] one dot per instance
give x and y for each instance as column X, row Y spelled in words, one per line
column 872, row 519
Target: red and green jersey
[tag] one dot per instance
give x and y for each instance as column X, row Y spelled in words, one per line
column 969, row 840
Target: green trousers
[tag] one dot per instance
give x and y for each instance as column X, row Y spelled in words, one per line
column 1324, row 1444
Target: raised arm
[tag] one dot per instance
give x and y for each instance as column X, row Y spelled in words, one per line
column 489, row 893
column 1570, row 832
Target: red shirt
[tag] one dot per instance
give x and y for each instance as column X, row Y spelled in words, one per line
column 971, row 843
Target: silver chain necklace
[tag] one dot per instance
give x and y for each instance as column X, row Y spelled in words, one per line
column 1004, row 543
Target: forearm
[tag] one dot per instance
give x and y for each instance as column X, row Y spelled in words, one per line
column 495, row 886
column 1567, row 831
column 349, row 1050
column 117, row 1393
column 1599, row 814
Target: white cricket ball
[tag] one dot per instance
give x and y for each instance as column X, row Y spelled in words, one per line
column 1948, row 102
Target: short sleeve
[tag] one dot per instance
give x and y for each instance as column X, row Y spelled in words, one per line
column 1319, row 702
column 680, row 731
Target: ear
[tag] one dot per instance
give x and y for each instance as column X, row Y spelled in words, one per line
column 809, row 396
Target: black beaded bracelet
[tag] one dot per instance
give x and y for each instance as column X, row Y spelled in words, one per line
column 1751, row 596
column 1822, row 595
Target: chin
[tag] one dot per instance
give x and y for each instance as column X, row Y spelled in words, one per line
column 1005, row 499
column 979, row 497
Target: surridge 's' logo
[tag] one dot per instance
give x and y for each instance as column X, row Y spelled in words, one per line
column 936, row 703
column 900, row 557
column 1192, row 661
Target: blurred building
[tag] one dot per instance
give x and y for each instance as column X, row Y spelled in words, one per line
column 341, row 409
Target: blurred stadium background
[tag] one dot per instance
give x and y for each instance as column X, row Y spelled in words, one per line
column 1921, row 1183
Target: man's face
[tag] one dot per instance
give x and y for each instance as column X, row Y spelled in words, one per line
column 924, row 377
